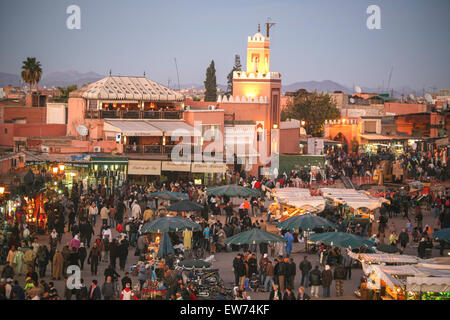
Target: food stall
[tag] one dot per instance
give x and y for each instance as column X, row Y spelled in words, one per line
column 406, row 278
column 428, row 288
column 359, row 206
column 291, row 202
column 153, row 288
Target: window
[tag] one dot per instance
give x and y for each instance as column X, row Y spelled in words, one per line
column 370, row 127
column 213, row 131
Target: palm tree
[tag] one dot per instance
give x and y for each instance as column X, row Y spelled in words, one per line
column 31, row 72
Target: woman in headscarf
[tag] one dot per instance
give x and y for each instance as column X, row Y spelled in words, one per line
column 75, row 242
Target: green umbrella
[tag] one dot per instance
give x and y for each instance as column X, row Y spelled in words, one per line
column 165, row 247
column 386, row 248
column 185, row 205
column 194, row 264
column 232, row 190
column 341, row 239
column 305, row 222
column 167, row 196
column 254, row 236
column 443, row 234
column 170, row 224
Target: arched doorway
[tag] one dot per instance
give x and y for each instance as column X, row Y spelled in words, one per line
column 341, row 138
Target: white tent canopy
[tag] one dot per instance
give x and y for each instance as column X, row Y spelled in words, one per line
column 299, row 198
column 428, row 284
column 352, row 198
column 384, row 258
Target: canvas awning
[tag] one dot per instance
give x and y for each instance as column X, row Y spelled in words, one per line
column 175, row 128
column 428, row 284
column 384, row 258
column 132, row 128
column 299, row 198
column 352, row 198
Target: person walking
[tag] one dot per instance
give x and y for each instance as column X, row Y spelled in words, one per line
column 268, row 281
column 292, row 272
column 347, row 262
column 403, row 238
column 94, row 291
column 339, row 277
column 239, row 270
column 58, row 262
column 305, row 267
column 94, row 258
column 315, row 281
column 93, row 212
column 289, row 241
column 127, row 293
column 108, row 289
column 82, row 253
column 327, row 279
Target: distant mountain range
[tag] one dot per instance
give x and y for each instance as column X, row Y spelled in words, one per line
column 67, row 78
column 57, row 79
column 8, row 79
column 70, row 77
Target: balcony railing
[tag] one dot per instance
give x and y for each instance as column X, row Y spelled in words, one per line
column 132, row 114
column 150, row 149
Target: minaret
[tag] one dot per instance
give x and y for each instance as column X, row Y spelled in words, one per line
column 258, row 53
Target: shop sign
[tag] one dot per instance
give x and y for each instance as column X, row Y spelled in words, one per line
column 32, row 162
column 79, row 165
column 174, row 166
column 209, row 167
column 142, row 167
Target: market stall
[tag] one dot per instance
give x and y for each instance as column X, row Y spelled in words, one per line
column 379, row 258
column 428, row 288
column 422, row 280
column 358, row 206
column 291, row 202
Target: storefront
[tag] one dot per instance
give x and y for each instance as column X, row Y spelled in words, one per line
column 143, row 171
column 175, row 171
column 210, row 173
column 110, row 172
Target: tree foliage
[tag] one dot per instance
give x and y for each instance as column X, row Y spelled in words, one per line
column 65, row 92
column 313, row 108
column 31, row 71
column 210, row 83
column 237, row 67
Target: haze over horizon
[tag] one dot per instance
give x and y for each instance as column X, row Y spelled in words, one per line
column 312, row 40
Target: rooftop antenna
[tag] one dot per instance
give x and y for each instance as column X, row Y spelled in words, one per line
column 144, row 73
column 259, row 27
column 268, row 26
column 178, row 77
column 110, row 72
column 389, row 80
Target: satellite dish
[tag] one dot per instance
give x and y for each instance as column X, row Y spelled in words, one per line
column 428, row 98
column 411, row 96
column 358, row 89
column 352, row 100
column 82, row 130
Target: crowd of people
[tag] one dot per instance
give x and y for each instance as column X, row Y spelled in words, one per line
column 104, row 224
